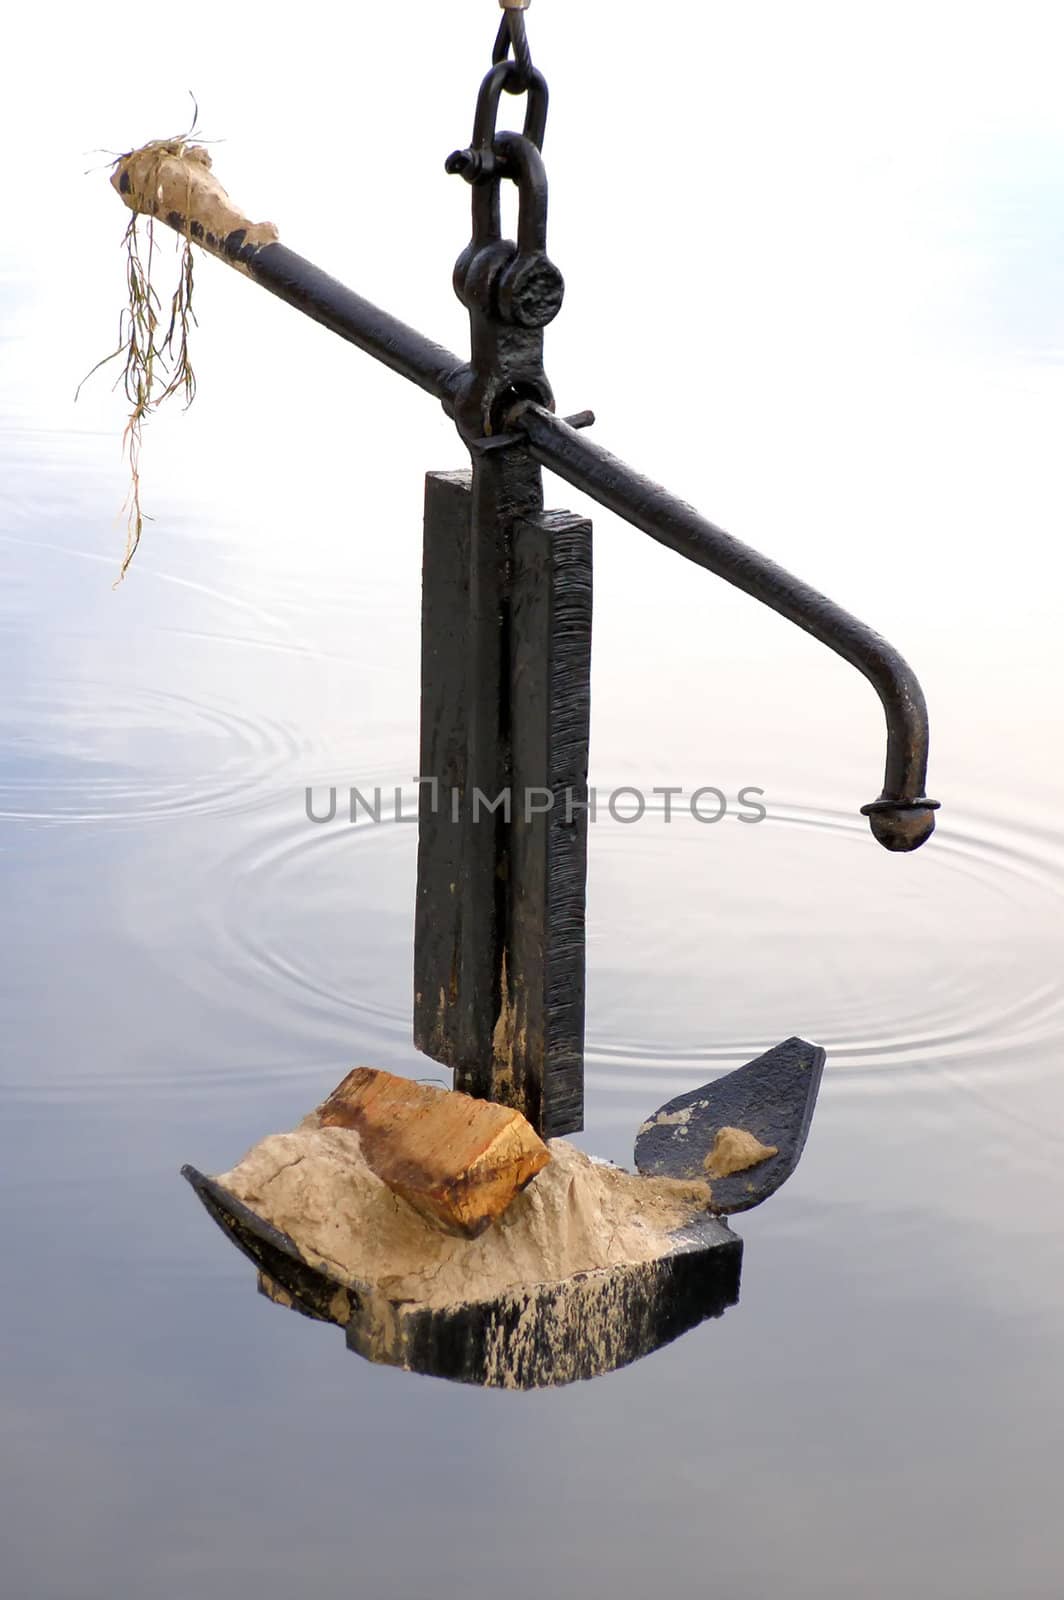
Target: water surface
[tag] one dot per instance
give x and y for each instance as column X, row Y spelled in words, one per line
column 190, row 964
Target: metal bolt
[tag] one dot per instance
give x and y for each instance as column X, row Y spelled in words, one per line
column 530, row 293
column 468, row 164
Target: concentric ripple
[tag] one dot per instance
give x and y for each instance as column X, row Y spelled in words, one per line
column 706, row 945
column 90, row 752
column 319, row 918
column 736, row 936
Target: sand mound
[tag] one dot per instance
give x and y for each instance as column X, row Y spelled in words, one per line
column 578, row 1215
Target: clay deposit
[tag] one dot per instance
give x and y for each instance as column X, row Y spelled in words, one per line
column 577, row 1216
column 735, row 1150
column 175, row 180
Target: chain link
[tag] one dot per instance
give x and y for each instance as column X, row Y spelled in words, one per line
column 512, row 36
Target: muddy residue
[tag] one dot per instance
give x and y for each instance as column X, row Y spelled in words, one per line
column 668, row 1119
column 734, row 1150
column 578, row 1215
column 173, row 180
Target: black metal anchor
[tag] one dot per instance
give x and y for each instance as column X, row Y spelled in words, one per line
column 499, row 977
column 499, row 932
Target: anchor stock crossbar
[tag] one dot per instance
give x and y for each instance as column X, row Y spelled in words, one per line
column 506, row 637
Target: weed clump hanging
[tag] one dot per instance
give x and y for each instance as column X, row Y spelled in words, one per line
column 169, row 180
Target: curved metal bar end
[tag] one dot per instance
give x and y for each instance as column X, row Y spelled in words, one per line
column 901, row 824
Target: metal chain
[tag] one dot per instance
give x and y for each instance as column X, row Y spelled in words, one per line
column 512, row 35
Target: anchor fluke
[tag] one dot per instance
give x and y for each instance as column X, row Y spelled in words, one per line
column 744, row 1133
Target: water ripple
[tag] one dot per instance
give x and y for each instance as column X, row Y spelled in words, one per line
column 90, row 752
column 897, row 965
column 705, row 944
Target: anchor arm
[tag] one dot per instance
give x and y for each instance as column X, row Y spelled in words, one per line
column 902, row 818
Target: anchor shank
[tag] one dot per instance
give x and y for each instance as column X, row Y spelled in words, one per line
column 502, row 838
column 506, row 650
column 505, row 486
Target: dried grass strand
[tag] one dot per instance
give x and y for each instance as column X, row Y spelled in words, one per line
column 155, row 347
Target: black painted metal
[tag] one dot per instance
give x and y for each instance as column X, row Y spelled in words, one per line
column 299, row 282
column 902, row 817
column 542, row 1033
column 512, row 36
column 499, row 943
column 771, row 1097
column 502, row 838
column 442, row 957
